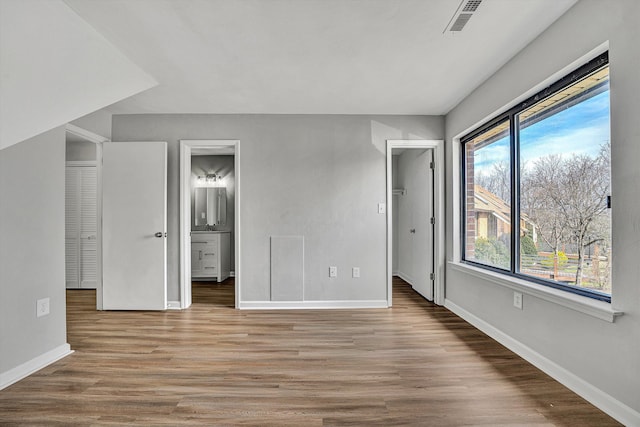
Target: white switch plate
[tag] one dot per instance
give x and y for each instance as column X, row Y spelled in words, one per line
column 333, row 271
column 42, row 307
column 355, row 272
column 517, row 300
column 382, row 208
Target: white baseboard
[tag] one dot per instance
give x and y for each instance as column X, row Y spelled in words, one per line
column 306, row 305
column 616, row 409
column 173, row 305
column 405, row 277
column 21, row 371
column 232, row 274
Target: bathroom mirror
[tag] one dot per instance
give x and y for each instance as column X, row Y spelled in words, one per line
column 210, row 206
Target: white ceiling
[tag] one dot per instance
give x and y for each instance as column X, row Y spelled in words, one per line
column 313, row 56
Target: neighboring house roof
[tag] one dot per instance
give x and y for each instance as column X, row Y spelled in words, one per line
column 486, row 201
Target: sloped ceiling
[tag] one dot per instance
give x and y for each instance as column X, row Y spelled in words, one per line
column 54, row 68
column 313, row 56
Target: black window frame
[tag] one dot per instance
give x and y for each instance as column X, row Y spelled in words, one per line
column 511, row 115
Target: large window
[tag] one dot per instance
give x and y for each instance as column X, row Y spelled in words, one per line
column 536, row 185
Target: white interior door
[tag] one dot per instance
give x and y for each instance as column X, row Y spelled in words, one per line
column 72, row 227
column 422, row 212
column 134, row 192
column 415, row 230
column 88, row 228
column 81, row 227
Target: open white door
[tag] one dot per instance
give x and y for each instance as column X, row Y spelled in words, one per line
column 421, row 196
column 134, row 224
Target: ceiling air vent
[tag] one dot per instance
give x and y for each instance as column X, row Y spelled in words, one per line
column 471, row 5
column 462, row 15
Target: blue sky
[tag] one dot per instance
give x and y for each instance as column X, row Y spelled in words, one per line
column 580, row 129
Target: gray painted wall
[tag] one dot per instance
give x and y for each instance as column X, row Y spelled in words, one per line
column 32, row 247
column 80, row 150
column 394, row 225
column 98, row 122
column 316, row 176
column 201, row 165
column 607, row 355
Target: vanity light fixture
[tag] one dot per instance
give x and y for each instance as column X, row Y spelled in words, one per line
column 210, row 180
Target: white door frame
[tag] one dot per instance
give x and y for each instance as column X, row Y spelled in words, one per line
column 98, row 140
column 438, row 208
column 210, row 147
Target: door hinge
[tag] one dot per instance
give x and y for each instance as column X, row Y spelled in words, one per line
column 432, row 276
column 432, row 165
column 432, row 220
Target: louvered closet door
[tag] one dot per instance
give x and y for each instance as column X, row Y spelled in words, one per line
column 81, row 227
column 72, row 224
column 88, row 228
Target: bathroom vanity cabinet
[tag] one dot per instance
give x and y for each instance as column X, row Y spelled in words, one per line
column 210, row 255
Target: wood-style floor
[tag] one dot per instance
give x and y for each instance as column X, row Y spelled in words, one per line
column 413, row 365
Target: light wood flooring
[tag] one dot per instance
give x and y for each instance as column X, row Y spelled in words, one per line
column 413, row 365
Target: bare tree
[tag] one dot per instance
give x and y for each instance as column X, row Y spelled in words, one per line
column 497, row 180
column 540, row 199
column 567, row 200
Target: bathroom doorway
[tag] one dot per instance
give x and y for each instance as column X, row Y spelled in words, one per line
column 209, row 222
column 212, row 229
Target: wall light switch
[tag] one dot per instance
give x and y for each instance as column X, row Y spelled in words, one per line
column 42, row 307
column 382, row 208
column 517, row 300
column 355, row 272
column 333, row 271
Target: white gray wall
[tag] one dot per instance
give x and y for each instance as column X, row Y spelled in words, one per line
column 32, row 248
column 80, row 151
column 394, row 225
column 316, row 176
column 60, row 76
column 98, row 122
column 606, row 355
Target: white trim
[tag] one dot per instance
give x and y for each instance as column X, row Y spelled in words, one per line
column 306, row 305
column 214, row 145
column 85, row 134
column 14, row 375
column 599, row 309
column 404, row 277
column 437, row 145
column 616, row 409
column 173, row 305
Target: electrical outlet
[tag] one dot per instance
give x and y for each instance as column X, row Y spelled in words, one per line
column 42, row 307
column 382, row 208
column 355, row 272
column 517, row 300
column 333, row 271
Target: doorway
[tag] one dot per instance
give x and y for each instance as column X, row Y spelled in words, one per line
column 209, row 171
column 212, row 229
column 83, row 206
column 415, row 216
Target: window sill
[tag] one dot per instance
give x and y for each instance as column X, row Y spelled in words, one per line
column 599, row 309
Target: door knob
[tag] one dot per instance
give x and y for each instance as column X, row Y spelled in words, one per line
column 158, row 234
